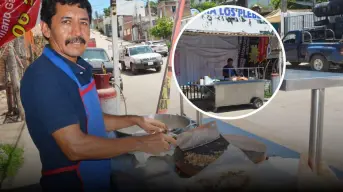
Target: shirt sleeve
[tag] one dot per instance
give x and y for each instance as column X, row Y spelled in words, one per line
column 47, row 101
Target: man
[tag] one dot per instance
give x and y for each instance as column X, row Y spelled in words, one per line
column 228, row 69
column 63, row 112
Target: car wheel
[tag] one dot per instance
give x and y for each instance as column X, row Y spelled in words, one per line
column 158, row 69
column 319, row 63
column 133, row 70
column 257, row 103
column 123, row 67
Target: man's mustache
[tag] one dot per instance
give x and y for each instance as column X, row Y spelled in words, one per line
column 75, row 40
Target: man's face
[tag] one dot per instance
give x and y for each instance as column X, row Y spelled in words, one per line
column 69, row 32
column 229, row 63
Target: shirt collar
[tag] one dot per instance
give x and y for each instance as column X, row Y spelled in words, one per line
column 79, row 67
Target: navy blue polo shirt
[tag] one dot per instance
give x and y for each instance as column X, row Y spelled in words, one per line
column 51, row 101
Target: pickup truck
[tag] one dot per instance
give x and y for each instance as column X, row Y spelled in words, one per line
column 98, row 58
column 137, row 57
column 315, row 47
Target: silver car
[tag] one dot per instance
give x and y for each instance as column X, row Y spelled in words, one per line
column 159, row 47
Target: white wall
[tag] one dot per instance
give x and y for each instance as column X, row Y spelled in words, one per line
column 198, row 56
column 130, row 8
column 121, row 23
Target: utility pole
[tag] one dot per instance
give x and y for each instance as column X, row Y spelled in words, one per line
column 149, row 12
column 115, row 51
column 283, row 13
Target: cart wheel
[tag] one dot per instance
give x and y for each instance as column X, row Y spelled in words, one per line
column 257, row 103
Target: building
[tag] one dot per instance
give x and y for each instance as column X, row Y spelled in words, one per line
column 134, row 8
column 107, row 26
column 168, row 9
column 125, row 24
column 201, row 1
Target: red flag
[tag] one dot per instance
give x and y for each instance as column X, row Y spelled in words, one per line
column 16, row 18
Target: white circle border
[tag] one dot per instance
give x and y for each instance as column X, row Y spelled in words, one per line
column 252, row 112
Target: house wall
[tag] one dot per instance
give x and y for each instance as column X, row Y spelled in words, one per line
column 127, row 28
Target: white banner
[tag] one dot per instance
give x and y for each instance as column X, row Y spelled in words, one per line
column 231, row 20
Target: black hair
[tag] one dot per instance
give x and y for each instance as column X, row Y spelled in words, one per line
column 48, row 9
column 229, row 59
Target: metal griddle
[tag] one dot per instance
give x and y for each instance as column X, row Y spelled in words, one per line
column 188, row 170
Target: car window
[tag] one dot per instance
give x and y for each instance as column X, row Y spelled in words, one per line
column 290, row 38
column 95, row 55
column 140, row 50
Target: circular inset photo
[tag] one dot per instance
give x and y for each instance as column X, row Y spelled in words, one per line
column 228, row 62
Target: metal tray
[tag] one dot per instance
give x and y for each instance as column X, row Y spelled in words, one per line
column 176, row 123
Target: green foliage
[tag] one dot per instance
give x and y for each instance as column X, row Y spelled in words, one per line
column 163, row 28
column 291, row 4
column 203, row 6
column 107, row 11
column 13, row 162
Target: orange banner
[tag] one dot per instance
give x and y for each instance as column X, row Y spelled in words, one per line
column 17, row 17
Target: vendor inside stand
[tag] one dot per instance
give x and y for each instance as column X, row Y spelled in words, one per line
column 63, row 112
column 228, row 69
column 230, row 73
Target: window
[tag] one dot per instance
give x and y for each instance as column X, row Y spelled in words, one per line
column 290, row 38
column 173, row 9
column 95, row 55
column 125, row 33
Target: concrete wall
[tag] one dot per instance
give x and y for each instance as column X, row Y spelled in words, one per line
column 131, row 8
column 127, row 28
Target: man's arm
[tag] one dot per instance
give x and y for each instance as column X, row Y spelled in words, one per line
column 113, row 122
column 76, row 145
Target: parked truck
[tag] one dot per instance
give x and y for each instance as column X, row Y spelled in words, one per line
column 316, row 46
column 139, row 57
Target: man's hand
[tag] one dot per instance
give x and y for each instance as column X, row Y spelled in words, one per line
column 155, row 143
column 152, row 126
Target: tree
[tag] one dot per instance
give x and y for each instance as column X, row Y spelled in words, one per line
column 291, row 4
column 107, row 11
column 203, row 6
column 163, row 28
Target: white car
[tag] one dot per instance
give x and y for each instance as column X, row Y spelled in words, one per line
column 139, row 57
column 159, row 47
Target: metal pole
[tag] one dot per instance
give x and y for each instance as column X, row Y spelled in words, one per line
column 149, row 12
column 320, row 123
column 313, row 129
column 115, row 51
column 283, row 12
column 198, row 117
column 182, row 112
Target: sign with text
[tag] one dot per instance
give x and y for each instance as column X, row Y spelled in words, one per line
column 230, row 19
column 17, row 17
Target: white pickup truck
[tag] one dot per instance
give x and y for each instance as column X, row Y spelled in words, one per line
column 138, row 57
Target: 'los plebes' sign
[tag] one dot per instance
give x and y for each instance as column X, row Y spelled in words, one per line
column 16, row 18
column 233, row 12
column 231, row 20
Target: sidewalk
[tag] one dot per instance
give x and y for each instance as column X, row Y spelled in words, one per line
column 30, row 171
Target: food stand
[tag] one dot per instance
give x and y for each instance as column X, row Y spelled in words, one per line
column 159, row 173
column 202, row 52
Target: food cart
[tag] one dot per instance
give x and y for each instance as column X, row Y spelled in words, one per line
column 202, row 52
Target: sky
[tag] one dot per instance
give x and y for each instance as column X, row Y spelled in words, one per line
column 99, row 5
